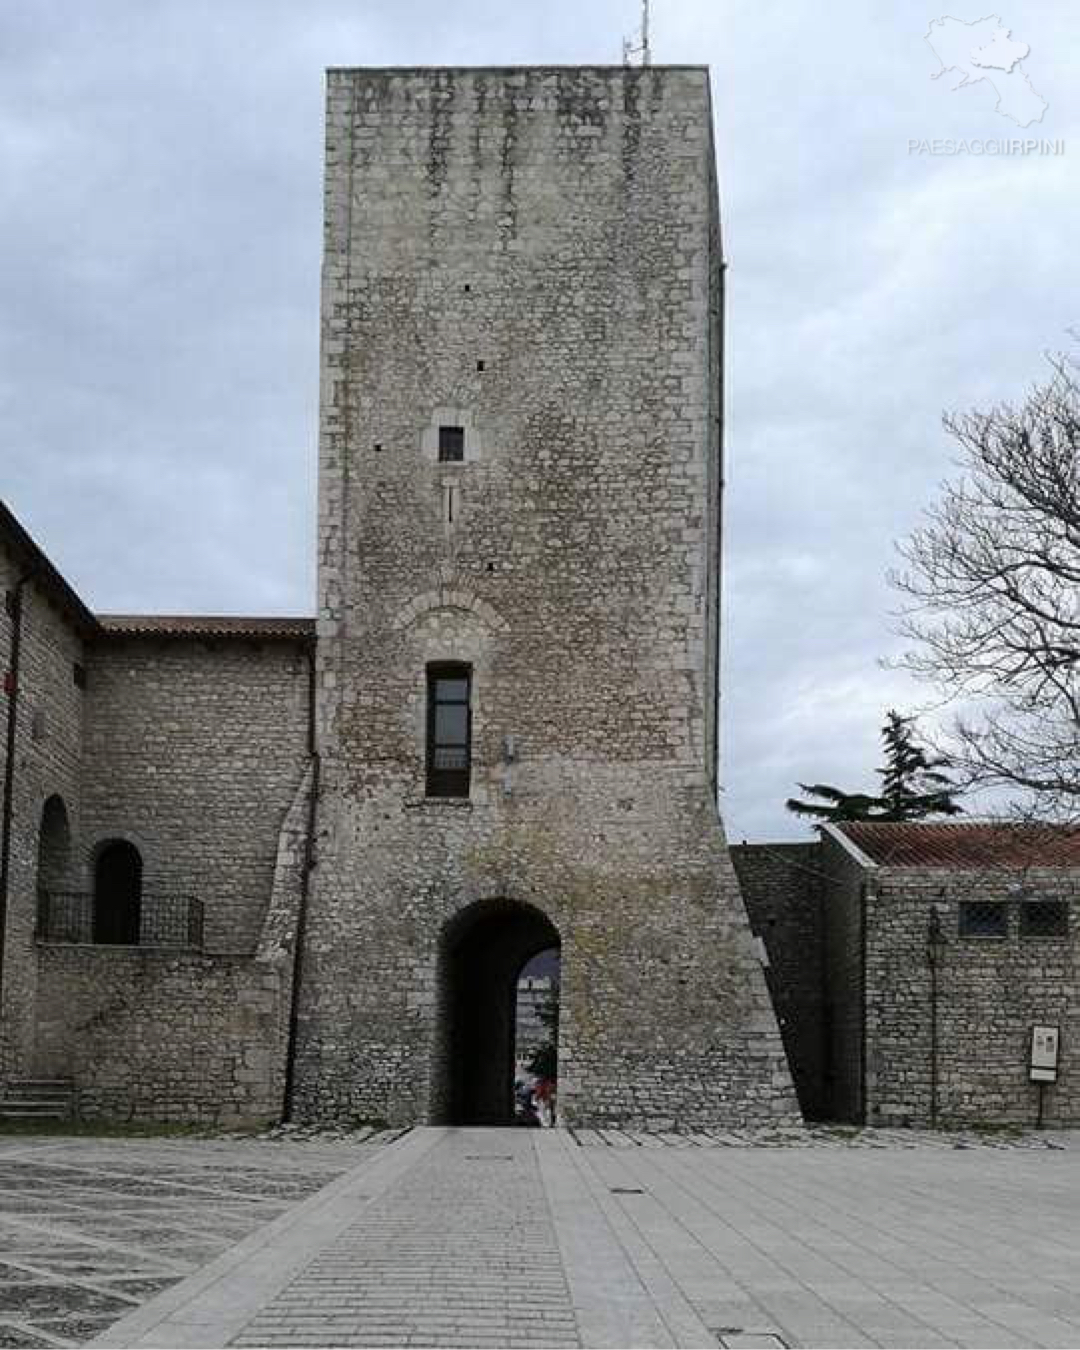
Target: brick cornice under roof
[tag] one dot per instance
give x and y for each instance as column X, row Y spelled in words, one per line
column 970, row 845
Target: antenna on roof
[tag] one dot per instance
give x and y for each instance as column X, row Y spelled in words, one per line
column 630, row 49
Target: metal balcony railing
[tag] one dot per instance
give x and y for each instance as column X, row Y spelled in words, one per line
column 152, row 919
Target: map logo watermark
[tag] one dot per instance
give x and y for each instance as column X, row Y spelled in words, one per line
column 984, row 52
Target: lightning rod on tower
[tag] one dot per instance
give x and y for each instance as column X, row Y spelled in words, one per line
column 629, row 49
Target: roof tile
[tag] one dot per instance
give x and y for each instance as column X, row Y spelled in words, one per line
column 968, row 844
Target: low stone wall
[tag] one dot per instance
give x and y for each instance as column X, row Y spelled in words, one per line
column 163, row 1036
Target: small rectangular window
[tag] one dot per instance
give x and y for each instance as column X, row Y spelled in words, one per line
column 449, row 731
column 983, row 919
column 1044, row 918
column 451, row 444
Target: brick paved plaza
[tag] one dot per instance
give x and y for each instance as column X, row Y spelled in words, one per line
column 541, row 1238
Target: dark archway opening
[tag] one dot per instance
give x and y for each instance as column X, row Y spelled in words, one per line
column 483, row 952
column 117, row 894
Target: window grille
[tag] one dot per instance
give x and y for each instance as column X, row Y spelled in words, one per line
column 1044, row 918
column 983, row 919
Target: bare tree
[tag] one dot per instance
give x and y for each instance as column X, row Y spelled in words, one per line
column 993, row 580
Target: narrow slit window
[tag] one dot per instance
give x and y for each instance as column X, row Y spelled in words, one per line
column 449, row 731
column 451, row 445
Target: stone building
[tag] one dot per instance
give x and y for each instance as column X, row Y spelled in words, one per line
column 911, row 962
column 153, row 780
column 945, row 945
column 256, row 862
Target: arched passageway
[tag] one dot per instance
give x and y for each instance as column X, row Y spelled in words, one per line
column 118, row 894
column 483, row 952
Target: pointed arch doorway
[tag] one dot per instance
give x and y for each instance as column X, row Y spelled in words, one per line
column 483, row 951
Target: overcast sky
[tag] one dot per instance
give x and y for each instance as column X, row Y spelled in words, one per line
column 160, row 198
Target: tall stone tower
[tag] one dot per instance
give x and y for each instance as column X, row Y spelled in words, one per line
column 519, row 553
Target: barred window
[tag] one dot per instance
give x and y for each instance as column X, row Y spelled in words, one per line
column 449, row 749
column 1044, row 918
column 983, row 919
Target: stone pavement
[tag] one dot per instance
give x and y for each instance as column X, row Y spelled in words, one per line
column 93, row 1227
column 544, row 1238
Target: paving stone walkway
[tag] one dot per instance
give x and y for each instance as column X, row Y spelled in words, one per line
column 544, row 1238
column 462, row 1251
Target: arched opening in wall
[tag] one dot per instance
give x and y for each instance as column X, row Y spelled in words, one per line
column 483, row 953
column 536, row 1039
column 54, row 845
column 55, row 908
column 117, row 894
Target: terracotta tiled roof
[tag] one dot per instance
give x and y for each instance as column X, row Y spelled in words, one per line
column 967, row 844
column 206, row 625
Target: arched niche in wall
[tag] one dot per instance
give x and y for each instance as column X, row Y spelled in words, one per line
column 54, row 845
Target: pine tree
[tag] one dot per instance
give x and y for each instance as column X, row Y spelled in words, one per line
column 913, row 785
column 834, row 805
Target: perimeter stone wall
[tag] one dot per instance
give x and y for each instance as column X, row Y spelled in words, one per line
column 531, row 255
column 782, row 887
column 842, row 915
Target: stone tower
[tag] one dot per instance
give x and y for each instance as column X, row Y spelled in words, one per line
column 518, row 581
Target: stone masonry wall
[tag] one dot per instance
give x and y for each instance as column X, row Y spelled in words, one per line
column 48, row 756
column 991, row 992
column 842, row 914
column 531, row 255
column 194, row 752
column 155, row 1036
column 781, row 884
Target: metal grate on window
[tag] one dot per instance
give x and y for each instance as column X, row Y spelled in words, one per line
column 1044, row 918
column 983, row 919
